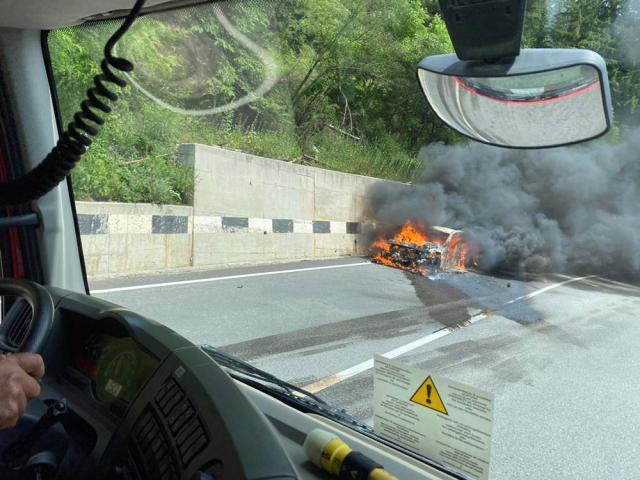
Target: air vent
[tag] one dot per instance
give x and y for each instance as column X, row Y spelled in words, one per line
column 150, row 450
column 183, row 421
column 19, row 322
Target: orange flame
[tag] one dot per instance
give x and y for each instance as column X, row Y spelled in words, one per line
column 453, row 256
column 456, row 252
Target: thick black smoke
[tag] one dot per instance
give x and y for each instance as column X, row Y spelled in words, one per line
column 566, row 209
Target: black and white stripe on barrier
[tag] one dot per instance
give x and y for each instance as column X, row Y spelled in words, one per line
column 102, row 223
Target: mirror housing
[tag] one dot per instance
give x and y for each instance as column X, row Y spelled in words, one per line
column 542, row 98
column 484, row 30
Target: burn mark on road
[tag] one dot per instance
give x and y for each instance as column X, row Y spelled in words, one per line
column 324, row 348
column 451, row 288
column 545, row 328
column 435, row 292
column 332, row 336
column 511, row 357
column 382, row 325
column 500, row 354
column 444, row 305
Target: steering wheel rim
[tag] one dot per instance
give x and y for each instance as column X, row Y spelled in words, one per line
column 42, row 308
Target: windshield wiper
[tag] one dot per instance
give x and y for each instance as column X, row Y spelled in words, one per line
column 288, row 392
column 303, row 400
column 245, row 368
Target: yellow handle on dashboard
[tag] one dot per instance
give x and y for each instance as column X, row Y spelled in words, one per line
column 334, row 456
column 381, row 474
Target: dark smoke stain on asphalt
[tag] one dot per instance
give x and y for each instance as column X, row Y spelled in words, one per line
column 332, row 336
column 446, row 301
column 501, row 354
column 489, row 293
column 340, row 334
column 435, row 292
column 504, row 355
column 543, row 327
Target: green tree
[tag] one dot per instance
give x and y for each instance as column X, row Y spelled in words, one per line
column 356, row 68
column 346, row 95
column 537, row 25
column 591, row 24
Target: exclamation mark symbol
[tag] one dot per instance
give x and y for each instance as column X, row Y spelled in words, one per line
column 428, row 393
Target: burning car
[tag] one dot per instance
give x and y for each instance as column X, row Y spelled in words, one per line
column 423, row 251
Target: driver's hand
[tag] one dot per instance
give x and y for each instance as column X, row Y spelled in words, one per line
column 19, row 375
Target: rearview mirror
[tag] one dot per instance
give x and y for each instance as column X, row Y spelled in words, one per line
column 541, row 98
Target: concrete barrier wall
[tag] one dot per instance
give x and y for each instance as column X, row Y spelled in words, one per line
column 130, row 238
column 246, row 210
column 283, row 211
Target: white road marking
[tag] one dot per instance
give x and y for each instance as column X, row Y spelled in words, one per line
column 628, row 286
column 540, row 291
column 230, row 277
column 396, row 352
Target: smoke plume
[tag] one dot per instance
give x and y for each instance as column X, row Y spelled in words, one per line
column 627, row 34
column 567, row 209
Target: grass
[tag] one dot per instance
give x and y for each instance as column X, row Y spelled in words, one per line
column 151, row 180
column 383, row 158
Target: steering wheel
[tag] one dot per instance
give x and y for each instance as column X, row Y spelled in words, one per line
column 21, row 330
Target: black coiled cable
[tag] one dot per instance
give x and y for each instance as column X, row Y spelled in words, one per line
column 74, row 141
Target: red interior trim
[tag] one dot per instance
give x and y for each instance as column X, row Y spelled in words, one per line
column 15, row 252
column 462, row 85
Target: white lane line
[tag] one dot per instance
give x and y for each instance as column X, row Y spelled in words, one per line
column 396, row 352
column 628, row 286
column 230, row 277
column 540, row 291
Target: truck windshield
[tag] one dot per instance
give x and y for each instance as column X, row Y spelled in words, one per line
column 272, row 184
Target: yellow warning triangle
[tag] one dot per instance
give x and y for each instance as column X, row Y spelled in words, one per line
column 428, row 396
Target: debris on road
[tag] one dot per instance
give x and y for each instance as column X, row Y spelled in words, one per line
column 423, row 251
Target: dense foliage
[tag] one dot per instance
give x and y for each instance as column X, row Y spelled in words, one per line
column 344, row 95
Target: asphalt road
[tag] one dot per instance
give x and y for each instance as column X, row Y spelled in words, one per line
column 559, row 353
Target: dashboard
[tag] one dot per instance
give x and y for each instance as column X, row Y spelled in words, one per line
column 114, row 368
column 145, row 403
column 117, row 367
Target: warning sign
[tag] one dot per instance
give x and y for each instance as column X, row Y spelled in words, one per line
column 455, row 427
column 427, row 395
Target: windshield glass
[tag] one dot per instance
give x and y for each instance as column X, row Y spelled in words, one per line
column 272, row 183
